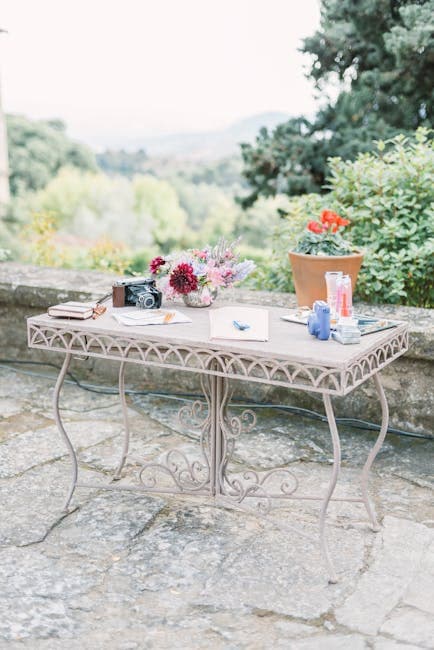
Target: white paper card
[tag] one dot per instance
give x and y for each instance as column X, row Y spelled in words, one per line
column 135, row 317
column 222, row 323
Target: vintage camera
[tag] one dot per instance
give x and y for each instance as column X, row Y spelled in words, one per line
column 318, row 323
column 138, row 292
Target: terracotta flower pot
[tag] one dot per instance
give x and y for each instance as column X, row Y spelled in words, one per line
column 309, row 271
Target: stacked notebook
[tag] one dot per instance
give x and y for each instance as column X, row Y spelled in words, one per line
column 80, row 310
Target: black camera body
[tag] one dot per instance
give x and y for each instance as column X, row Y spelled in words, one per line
column 137, row 292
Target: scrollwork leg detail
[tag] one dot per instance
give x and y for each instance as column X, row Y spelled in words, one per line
column 61, row 429
column 197, row 414
column 332, row 484
column 124, row 406
column 249, row 483
column 374, row 451
column 186, row 475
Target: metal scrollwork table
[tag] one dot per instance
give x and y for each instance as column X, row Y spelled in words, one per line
column 291, row 359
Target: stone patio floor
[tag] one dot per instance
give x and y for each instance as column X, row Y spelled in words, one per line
column 125, row 570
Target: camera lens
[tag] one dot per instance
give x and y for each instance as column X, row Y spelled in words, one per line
column 145, row 301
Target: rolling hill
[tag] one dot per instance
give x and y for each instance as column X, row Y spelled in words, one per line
column 206, row 145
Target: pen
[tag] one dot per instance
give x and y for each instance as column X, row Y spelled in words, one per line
column 168, row 317
column 240, row 326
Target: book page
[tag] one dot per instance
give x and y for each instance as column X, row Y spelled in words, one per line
column 134, row 316
column 222, row 324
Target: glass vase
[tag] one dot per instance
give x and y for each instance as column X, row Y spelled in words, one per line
column 203, row 297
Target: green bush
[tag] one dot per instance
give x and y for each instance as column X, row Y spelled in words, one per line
column 139, row 260
column 91, row 207
column 8, row 248
column 388, row 196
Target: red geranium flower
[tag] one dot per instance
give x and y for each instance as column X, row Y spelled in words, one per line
column 329, row 217
column 182, row 279
column 155, row 264
column 333, row 221
column 315, row 227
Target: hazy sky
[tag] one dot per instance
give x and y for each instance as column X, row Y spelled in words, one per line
column 154, row 66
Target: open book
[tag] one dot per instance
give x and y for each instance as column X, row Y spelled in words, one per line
column 239, row 323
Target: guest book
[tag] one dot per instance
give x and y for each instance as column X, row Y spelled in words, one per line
column 239, row 323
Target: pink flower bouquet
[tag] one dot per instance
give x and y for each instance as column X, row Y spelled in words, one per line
column 203, row 270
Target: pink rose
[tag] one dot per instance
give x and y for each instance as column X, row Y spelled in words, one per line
column 215, row 277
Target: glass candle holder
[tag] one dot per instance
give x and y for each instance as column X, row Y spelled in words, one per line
column 332, row 279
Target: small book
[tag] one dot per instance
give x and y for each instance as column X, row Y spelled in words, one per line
column 239, row 323
column 80, row 310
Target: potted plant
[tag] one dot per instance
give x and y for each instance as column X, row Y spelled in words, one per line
column 196, row 275
column 322, row 248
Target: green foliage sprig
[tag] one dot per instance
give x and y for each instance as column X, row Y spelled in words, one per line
column 330, row 244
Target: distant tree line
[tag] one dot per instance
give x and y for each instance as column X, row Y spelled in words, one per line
column 224, row 172
column 125, row 163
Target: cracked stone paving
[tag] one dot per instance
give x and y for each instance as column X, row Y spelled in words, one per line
column 126, row 570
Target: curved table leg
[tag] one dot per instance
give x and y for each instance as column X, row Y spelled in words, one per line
column 126, row 444
column 61, row 428
column 335, row 473
column 374, row 451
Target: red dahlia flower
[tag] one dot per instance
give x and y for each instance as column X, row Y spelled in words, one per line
column 156, row 263
column 182, row 279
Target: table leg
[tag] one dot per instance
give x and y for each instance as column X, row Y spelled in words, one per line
column 335, row 473
column 374, row 451
column 213, row 431
column 61, row 428
column 124, row 406
column 217, row 459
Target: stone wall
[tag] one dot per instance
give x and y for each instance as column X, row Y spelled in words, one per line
column 27, row 290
